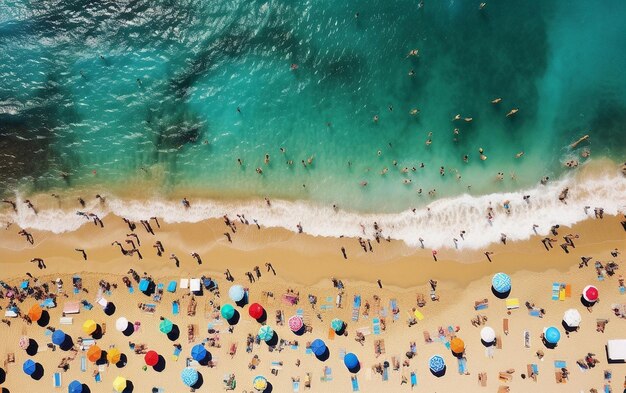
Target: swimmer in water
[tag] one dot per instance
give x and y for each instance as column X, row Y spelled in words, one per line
column 413, row 52
column 375, row 118
column 512, row 112
column 520, row 154
column 457, row 117
column 414, row 111
column 496, row 101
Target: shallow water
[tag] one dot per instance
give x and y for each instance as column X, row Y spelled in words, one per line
column 173, row 74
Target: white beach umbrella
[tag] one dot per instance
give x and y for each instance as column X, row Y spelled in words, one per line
column 572, row 317
column 487, row 334
column 121, row 324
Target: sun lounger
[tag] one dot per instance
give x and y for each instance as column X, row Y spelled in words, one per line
column 413, row 380
column 171, row 287
column 57, row 380
column 505, row 326
column 386, row 374
column 66, row 320
column 376, row 326
column 295, row 384
column 481, row 304
column 355, row 383
column 83, row 364
column 175, row 308
column 512, row 304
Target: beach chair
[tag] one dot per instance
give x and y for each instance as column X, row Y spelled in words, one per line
column 355, row 383
column 57, row 381
column 295, row 384
column 413, row 380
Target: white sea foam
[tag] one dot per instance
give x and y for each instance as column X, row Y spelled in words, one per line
column 437, row 224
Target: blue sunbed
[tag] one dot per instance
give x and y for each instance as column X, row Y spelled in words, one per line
column 175, row 308
column 57, row 380
column 83, row 364
column 171, row 287
column 143, row 285
column 98, row 377
column 386, row 374
column 296, row 386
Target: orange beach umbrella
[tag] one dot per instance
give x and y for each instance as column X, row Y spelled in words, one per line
column 35, row 312
column 94, row 353
column 457, row 345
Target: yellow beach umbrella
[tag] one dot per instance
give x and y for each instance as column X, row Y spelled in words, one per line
column 119, row 384
column 89, row 326
column 114, row 355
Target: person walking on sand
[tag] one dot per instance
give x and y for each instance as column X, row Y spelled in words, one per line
column 175, row 259
column 13, row 205
column 270, row 267
column 257, row 271
column 343, row 251
column 27, row 235
column 83, row 252
column 380, row 283
column 197, row 257
column 488, row 254
column 186, row 203
column 30, row 205
column 159, row 247
column 134, row 235
column 435, row 255
column 228, row 237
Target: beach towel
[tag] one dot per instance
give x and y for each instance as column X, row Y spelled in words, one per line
column 171, row 287
column 328, row 374
column 418, row 315
column 534, row 313
column 481, row 306
column 376, row 325
column 176, row 353
column 308, row 351
column 57, row 380
column 393, row 304
column 175, row 308
column 98, row 377
column 535, row 369
column 296, row 386
column 556, row 287
column 83, row 364
column 560, row 364
column 331, row 334
column 386, row 374
column 131, row 289
column 562, row 293
column 462, row 365
column 342, row 353
column 413, row 380
column 355, row 383
column 512, row 304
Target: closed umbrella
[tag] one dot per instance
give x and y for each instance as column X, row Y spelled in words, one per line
column 24, row 342
column 89, row 326
column 259, row 383
column 351, row 361
column 58, row 337
column 198, row 352
column 236, row 293
column 295, row 323
column 336, row 324
column 487, row 334
column 94, row 353
column 29, row 367
column 552, row 335
column 75, row 387
column 121, row 324
column 572, row 318
column 189, row 376
column 114, row 355
column 590, row 293
column 256, row 310
column 35, row 312
column 227, row 311
column 266, row 333
column 436, row 364
column 318, row 347
column 151, row 358
column 166, row 326
column 457, row 345
column 501, row 282
column 119, row 384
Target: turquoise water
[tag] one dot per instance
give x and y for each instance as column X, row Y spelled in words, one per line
column 161, row 104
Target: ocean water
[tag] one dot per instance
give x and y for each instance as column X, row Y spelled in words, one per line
column 140, row 98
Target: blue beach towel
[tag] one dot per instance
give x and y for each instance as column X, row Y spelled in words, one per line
column 481, row 307
column 83, row 364
column 462, row 365
column 535, row 369
column 413, row 379
column 98, row 377
column 355, row 384
column 535, row 313
column 296, row 386
column 171, row 287
column 386, row 374
column 57, row 380
column 393, row 304
column 560, row 364
column 376, row 326
column 556, row 287
column 131, row 289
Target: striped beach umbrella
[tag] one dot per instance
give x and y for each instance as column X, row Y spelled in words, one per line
column 266, row 333
column 236, row 293
column 227, row 311
column 189, row 376
column 436, row 364
column 29, row 367
column 89, row 326
column 166, row 326
column 295, row 323
column 58, row 337
column 336, row 324
column 259, row 383
column 119, row 384
column 501, row 282
column 75, row 387
column 198, row 352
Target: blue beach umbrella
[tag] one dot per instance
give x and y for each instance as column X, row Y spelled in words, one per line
column 351, row 361
column 266, row 333
column 501, row 282
column 236, row 293
column 552, row 335
column 75, row 387
column 436, row 364
column 198, row 352
column 29, row 367
column 336, row 324
column 318, row 347
column 189, row 376
column 58, row 337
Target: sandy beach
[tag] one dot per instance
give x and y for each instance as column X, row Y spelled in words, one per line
column 306, row 264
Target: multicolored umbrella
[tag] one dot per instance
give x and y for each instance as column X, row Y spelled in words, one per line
column 487, row 334
column 259, row 383
column 75, row 387
column 236, row 293
column 295, row 323
column 89, row 326
column 590, row 293
column 256, row 310
column 58, row 337
column 351, row 361
column 501, row 283
column 29, row 367
column 35, row 312
column 94, row 353
column 336, row 324
column 166, row 326
column 266, row 333
column 572, row 318
column 114, row 355
column 457, row 345
column 198, row 352
column 151, row 358
column 318, row 347
column 227, row 311
column 119, row 384
column 24, row 342
column 552, row 335
column 189, row 376
column 436, row 364
column 121, row 324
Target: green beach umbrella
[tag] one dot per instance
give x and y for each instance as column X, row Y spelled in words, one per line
column 266, row 333
column 336, row 324
column 166, row 326
column 227, row 311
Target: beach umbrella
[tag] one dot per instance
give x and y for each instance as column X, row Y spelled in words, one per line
column 35, row 312
column 29, row 367
column 336, row 324
column 189, row 376
column 487, row 334
column 457, row 345
column 590, row 293
column 256, row 310
column 318, row 347
column 501, row 282
column 295, row 323
column 351, row 361
column 75, row 387
column 166, row 326
column 58, row 337
column 236, row 293
column 24, row 342
column 114, row 355
column 94, row 353
column 198, row 352
column 572, row 318
column 119, row 384
column 552, row 335
column 259, row 383
column 227, row 311
column 121, row 324
column 266, row 333
column 151, row 358
column 89, row 326
column 436, row 364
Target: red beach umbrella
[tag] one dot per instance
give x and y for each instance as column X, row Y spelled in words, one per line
column 151, row 358
column 255, row 310
column 590, row 293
